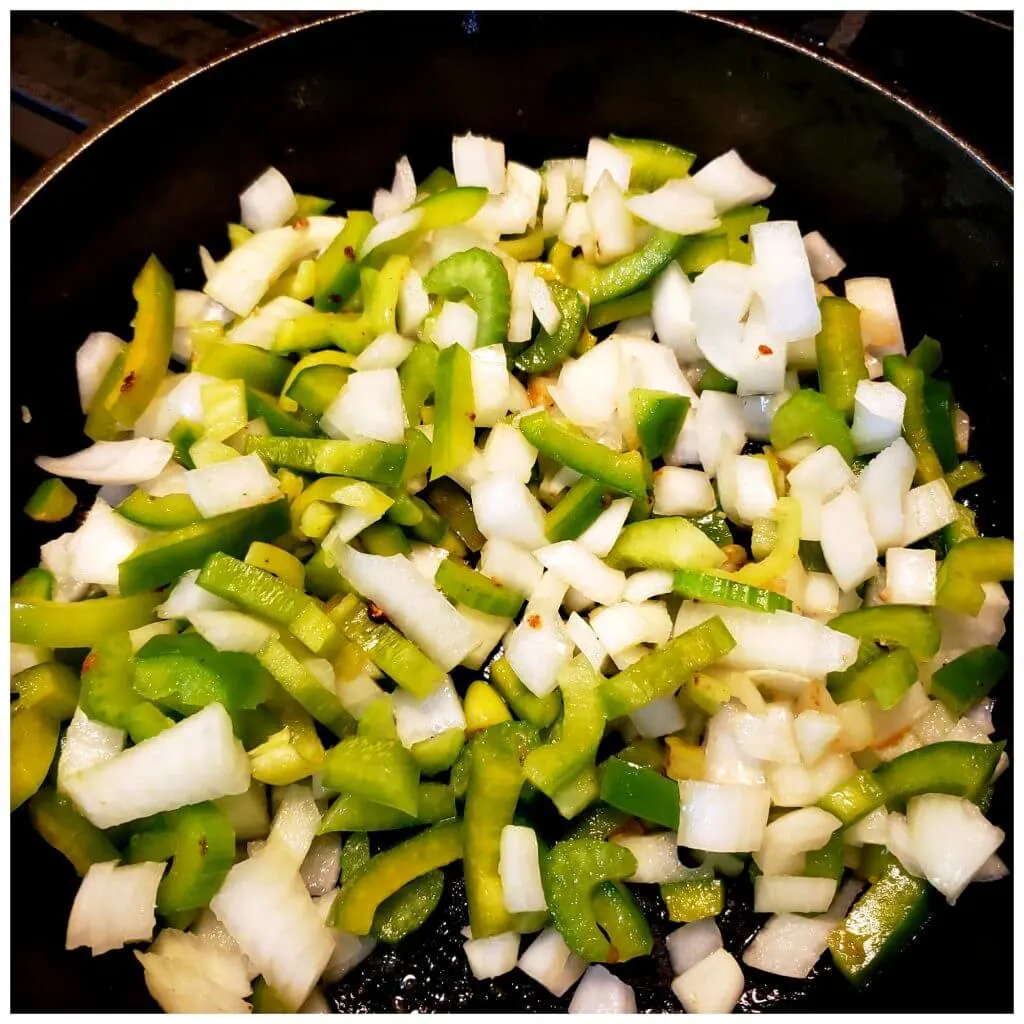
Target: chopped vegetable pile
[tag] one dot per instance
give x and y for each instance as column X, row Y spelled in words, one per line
column 564, row 525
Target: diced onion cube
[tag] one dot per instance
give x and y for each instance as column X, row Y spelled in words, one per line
column 712, row 986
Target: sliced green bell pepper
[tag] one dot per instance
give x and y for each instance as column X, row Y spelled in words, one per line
column 895, row 625
column 853, row 799
column 479, row 274
column 619, row 916
column 667, row 542
column 654, row 162
column 693, row 899
column 938, row 412
column 349, row 812
column 322, row 579
column 259, row 368
column 54, row 817
column 551, row 350
column 840, row 352
column 408, row 909
column 706, row 586
column 261, row 406
column 910, row 380
column 810, row 414
column 659, row 417
column 438, row 754
column 33, row 746
column 292, row 753
column 636, row 304
column 575, row 511
column 452, row 504
column 454, row 431
column 36, row 584
column 50, row 687
column 632, row 272
column 461, row 584
column 926, row 355
column 450, row 206
column 317, row 380
column 78, row 624
column 539, row 712
column 826, row 861
column 170, row 512
column 51, row 501
column 965, row 474
column 337, row 269
column 417, row 376
column 640, row 792
column 598, row 823
column 962, row 682
column 957, row 768
column 355, row 855
column 969, row 564
column 576, row 795
column 379, row 770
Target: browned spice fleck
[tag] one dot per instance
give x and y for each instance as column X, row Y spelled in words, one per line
column 350, row 252
column 334, row 297
column 375, row 612
column 301, row 224
column 764, row 350
column 203, row 846
column 534, row 621
column 128, row 383
column 90, row 660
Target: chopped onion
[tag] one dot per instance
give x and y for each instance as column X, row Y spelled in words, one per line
column 413, row 303
column 215, row 936
column 243, row 277
column 268, row 202
column 719, row 428
column 724, row 760
column 795, row 833
column 358, row 693
column 401, row 195
column 793, row 785
column 657, row 857
column 349, row 950
column 489, row 631
column 647, row 583
column 694, row 942
column 603, row 157
column 537, row 649
column 746, row 487
column 551, row 963
column 600, row 537
column 519, row 867
column 822, row 474
column 186, row 598
column 506, row 509
column 322, row 866
column 92, row 361
column 722, row 818
column 418, row 720
column 479, row 161
column 782, row 279
column 493, row 956
column 872, row 828
column 887, row 725
column 247, row 812
column 991, row 871
column 672, row 312
column 910, row 575
column 455, row 325
column 228, row 486
column 879, row 319
column 506, row 450
column 584, row 571
column 96, row 549
column 588, row 387
column 114, row 906
column 678, row 206
column 730, row 182
column 610, row 221
column 792, row 894
column 112, row 462
column 197, row 759
column 586, row 641
column 179, row 397
column 824, row 260
column 543, row 305
column 556, row 189
column 55, row 557
column 510, row 564
column 883, row 486
column 877, row 415
column 659, row 718
column 86, row 743
column 815, row 731
column 369, row 405
column 520, row 324
column 961, row 430
column 601, row 992
column 626, row 624
column 390, row 229
column 712, row 986
column 576, row 230
column 846, row 539
column 820, row 597
column 926, row 509
column 769, row 736
column 416, row 607
column 295, row 822
column 230, row 630
column 490, row 377
column 386, row 352
column 24, row 656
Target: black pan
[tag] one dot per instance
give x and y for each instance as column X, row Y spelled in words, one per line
column 333, row 106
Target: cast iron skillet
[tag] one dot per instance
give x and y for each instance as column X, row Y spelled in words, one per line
column 333, row 106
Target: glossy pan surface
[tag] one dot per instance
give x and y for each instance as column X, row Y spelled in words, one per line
column 333, row 106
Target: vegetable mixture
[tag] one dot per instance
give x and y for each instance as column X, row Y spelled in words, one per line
column 560, row 524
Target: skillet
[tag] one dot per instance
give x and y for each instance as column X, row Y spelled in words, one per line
column 333, row 105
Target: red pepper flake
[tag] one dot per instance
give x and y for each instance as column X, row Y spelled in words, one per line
column 335, row 297
column 301, row 224
column 90, row 660
column 533, row 622
column 350, row 252
column 128, row 383
column 375, row 612
column 764, row 350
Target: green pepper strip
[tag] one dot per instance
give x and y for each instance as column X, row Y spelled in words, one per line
column 480, row 274
column 355, row 855
column 100, row 425
column 392, row 653
column 705, row 586
column 539, row 712
column 49, row 687
column 659, row 417
column 910, row 380
column 56, row 820
column 352, row 813
column 637, row 304
column 351, row 332
column 726, row 242
column 895, row 625
column 256, row 366
column 261, row 593
column 284, row 659
column 149, row 353
column 324, row 580
column 79, row 624
column 51, row 502
column 938, row 411
column 183, row 435
column 525, row 247
column 165, row 557
column 459, row 583
column 969, row 564
column 201, row 842
column 578, row 793
column 261, row 406
column 294, row 752
column 964, row 475
column 714, row 526
column 840, row 353
column 555, row 764
column 714, row 380
column 624, row 472
column 453, row 412
column 450, row 206
column 598, row 823
column 33, row 746
column 417, row 376
column 316, row 380
column 854, row 798
column 551, row 350
column 926, row 355
column 495, row 781
column 619, row 916
column 438, row 754
column 880, row 923
column 379, row 770
column 667, row 542
column 654, row 162
column 632, row 272
column 337, row 272
column 35, row 584
column 452, row 503
column 962, row 682
column 693, row 899
column 571, row 872
column 388, row 871
column 958, row 768
column 640, row 792
column 809, row 414
column 408, row 909
column 575, row 512
column 373, row 461
column 885, row 678
column 170, row 512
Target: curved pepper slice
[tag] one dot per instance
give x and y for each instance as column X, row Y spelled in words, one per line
column 388, row 871
column 706, row 586
column 459, row 583
column 352, row 813
column 374, row 461
column 539, row 712
column 51, row 501
column 337, row 271
column 80, row 623
column 654, row 162
column 962, row 682
column 964, row 475
column 840, row 353
column 659, row 417
column 551, row 350
column 784, row 551
column 619, row 916
column 640, row 792
column 79, row 840
column 452, row 503
column 969, row 564
column 577, row 510
column 33, row 745
column 854, row 798
column 479, row 274
column 355, row 855
column 408, row 909
column 885, row 678
column 438, row 754
column 895, row 625
column 667, row 542
column 598, row 823
column 570, row 872
column 632, row 272
column 809, row 414
column 899, row 370
column 381, row 770
column 170, row 512
column 417, row 376
column 50, row 686
column 450, row 206
column 454, row 429
column 958, row 768
column 232, row 360
column 926, row 355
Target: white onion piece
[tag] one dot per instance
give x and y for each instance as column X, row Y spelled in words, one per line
column 815, row 731
column 489, row 630
column 493, row 956
column 659, row 718
column 724, row 761
column 519, row 867
column 413, row 303
column 179, row 397
column 96, row 549
column 600, row 537
column 603, row 157
column 782, row 278
column 926, row 509
column 322, row 865
column 647, row 583
column 358, row 693
column 991, row 871
column 657, row 857
column 758, row 411
column 114, row 906
column 961, row 430
column 505, row 508
column 92, row 361
column 520, row 324
column 112, row 462
column 824, row 260
column 769, row 736
column 386, row 352
column 672, row 312
column 242, row 278
column 800, row 831
column 626, row 624
column 610, row 222
column 678, row 206
column 872, row 828
column 390, row 229
column 712, row 986
column 651, row 364
column 55, row 556
column 268, row 202
column 455, row 325
column 820, row 596
column 490, row 377
column 194, row 760
column 230, row 630
column 584, row 571
column 551, row 963
column 719, row 428
column 600, row 991
column 722, row 818
column 883, row 485
column 794, row 785
column 538, row 650
column 586, row 641
column 981, row 715
column 761, row 359
column 746, row 488
column 215, row 939
column 877, row 415
column 685, row 450
column 846, row 540
column 369, row 405
column 86, row 744
column 506, row 450
column 187, row 597
column 588, row 387
column 730, row 182
column 421, row 719
column 576, row 231
column 556, row 189
column 694, row 942
column 247, row 813
column 479, row 161
column 792, row 894
column 349, row 950
column 543, row 305
column 296, row 821
column 239, row 483
column 879, row 319
column 511, row 565
column 910, row 576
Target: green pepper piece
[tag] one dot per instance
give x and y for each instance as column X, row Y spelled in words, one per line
column 963, row 527
column 714, row 380
column 578, row 793
column 170, row 512
column 256, row 366
column 50, row 687
column 715, row 527
column 322, row 579
column 958, row 768
column 938, row 411
column 895, row 625
column 284, row 658
column 165, row 557
column 438, row 179
column 33, row 746
column 705, row 586
column 417, row 376
column 654, row 162
column 659, row 417
column 315, row 387
column 408, row 909
column 310, row 206
column 391, row 652
column 36, row 584
column 693, row 899
column 54, row 817
column 854, row 798
column 827, row 861
column 194, row 673
column 261, row 593
column 729, row 241
column 438, row 753
column 525, row 247
column 100, row 425
column 384, row 539
column 453, row 412
column 598, row 823
column 926, row 355
column 840, row 353
column 351, row 332
column 965, row 474
column 261, row 406
column 969, row 564
column 551, row 350
column 962, row 682
column 646, row 753
column 79, row 624
column 450, row 206
column 575, row 511
column 571, row 871
column 495, row 781
column 879, row 923
column 388, row 871
column 355, row 855
column 51, row 501
column 148, row 355
column 659, row 673
column 379, row 770
column 623, row 472
column 668, row 542
column 461, row 584
column 555, row 764
column 637, row 304
column 619, row 916
column 479, row 274
column 910, row 380
column 183, row 435
column 452, row 503
column 108, row 694
column 201, row 842
column 809, row 414
column 349, row 812
column 539, row 712
column 885, row 678
column 337, row 271
column 292, row 753
column 632, row 272
column 378, row 721
column 640, row 792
